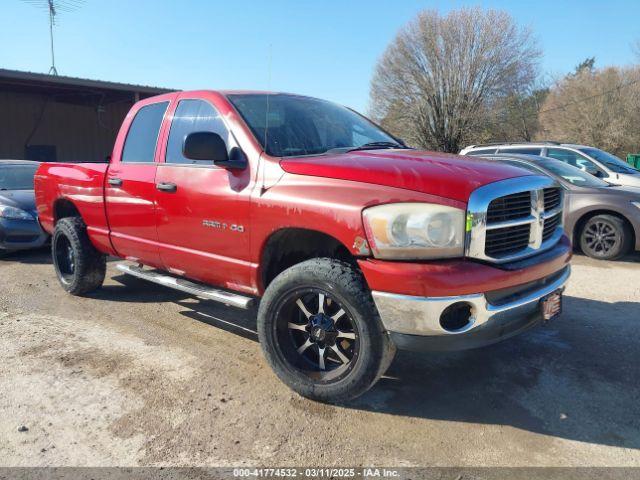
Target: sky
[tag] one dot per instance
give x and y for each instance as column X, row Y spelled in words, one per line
column 324, row 48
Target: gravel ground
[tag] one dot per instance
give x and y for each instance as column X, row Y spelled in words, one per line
column 140, row 375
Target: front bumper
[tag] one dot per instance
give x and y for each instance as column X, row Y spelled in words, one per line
column 21, row 234
column 414, row 322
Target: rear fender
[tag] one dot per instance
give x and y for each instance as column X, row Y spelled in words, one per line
column 74, row 190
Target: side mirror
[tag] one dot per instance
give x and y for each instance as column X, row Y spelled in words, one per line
column 209, row 146
column 205, row 146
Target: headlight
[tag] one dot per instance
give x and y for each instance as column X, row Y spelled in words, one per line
column 636, row 204
column 14, row 213
column 415, row 231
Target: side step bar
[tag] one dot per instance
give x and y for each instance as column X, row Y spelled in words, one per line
column 186, row 286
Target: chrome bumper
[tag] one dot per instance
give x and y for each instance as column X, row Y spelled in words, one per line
column 410, row 315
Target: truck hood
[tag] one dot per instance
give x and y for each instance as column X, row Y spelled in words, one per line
column 444, row 175
column 23, row 199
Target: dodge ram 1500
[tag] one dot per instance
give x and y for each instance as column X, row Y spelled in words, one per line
column 350, row 243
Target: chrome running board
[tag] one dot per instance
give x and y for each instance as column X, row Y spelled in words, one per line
column 186, row 286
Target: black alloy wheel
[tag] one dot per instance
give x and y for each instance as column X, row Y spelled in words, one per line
column 65, row 259
column 80, row 268
column 316, row 334
column 320, row 331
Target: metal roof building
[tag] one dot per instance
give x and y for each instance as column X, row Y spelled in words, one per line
column 65, row 119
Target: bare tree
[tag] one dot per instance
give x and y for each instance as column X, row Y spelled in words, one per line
column 513, row 117
column 595, row 107
column 441, row 75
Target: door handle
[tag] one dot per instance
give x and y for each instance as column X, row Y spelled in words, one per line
column 115, row 182
column 167, row 187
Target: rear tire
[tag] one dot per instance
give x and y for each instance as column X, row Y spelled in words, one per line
column 320, row 331
column 80, row 268
column 605, row 237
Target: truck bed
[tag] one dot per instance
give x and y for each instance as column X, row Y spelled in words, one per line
column 60, row 186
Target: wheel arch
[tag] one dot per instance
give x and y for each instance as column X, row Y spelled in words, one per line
column 291, row 245
column 62, row 208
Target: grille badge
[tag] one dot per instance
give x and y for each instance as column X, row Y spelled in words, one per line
column 537, row 211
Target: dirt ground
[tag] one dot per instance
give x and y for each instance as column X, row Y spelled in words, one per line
column 141, row 375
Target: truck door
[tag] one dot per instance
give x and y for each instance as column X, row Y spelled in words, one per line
column 202, row 209
column 130, row 186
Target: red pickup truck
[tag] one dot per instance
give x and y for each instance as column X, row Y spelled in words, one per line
column 352, row 243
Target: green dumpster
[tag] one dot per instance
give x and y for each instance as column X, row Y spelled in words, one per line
column 633, row 159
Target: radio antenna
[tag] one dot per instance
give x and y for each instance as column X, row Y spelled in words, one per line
column 266, row 125
column 54, row 8
column 263, row 165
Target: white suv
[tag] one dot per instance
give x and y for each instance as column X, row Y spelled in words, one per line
column 589, row 159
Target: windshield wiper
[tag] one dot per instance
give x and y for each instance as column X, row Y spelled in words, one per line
column 377, row 145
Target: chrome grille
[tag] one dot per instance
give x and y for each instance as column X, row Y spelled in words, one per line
column 507, row 240
column 510, row 207
column 552, row 198
column 550, row 226
column 513, row 219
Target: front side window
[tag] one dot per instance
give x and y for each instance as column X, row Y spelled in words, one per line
column 17, row 177
column 140, row 145
column 292, row 125
column 194, row 116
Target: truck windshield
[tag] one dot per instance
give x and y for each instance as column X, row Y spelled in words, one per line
column 17, row 177
column 293, row 125
column 614, row 163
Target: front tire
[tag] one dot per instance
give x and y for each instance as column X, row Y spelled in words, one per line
column 80, row 268
column 605, row 237
column 321, row 333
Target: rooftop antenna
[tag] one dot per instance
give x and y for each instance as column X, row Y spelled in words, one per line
column 266, row 126
column 54, row 8
column 263, row 164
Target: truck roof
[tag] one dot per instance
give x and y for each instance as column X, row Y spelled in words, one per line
column 243, row 92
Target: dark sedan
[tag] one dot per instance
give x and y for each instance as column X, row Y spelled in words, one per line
column 19, row 227
column 603, row 220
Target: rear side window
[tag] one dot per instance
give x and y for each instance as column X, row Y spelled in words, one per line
column 140, row 145
column 522, row 150
column 194, row 116
column 482, row 151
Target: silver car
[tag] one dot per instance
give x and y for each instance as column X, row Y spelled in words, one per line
column 592, row 160
column 602, row 220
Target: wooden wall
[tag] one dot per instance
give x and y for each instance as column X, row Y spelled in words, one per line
column 78, row 131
